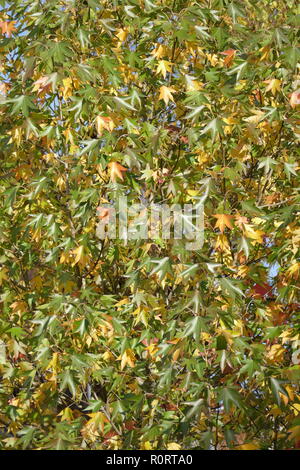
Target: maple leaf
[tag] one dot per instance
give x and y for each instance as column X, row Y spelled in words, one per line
column 104, row 213
column 159, row 51
column 122, row 34
column 230, row 54
column 116, row 171
column 293, row 270
column 165, row 93
column 127, row 357
column 3, row 275
column 3, row 88
column 192, row 84
column 274, row 85
column 262, row 290
column 295, row 98
column 7, row 27
column 42, row 85
column 241, row 221
column 173, row 446
column 257, row 235
column 81, row 257
column 67, row 88
column 276, row 353
column 163, row 67
column 223, row 220
column 103, row 122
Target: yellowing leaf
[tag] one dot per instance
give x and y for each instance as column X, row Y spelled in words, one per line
column 276, row 353
column 159, row 51
column 116, row 171
column 42, row 85
column 127, row 358
column 222, row 244
column 223, row 220
column 163, row 67
column 293, row 271
column 122, row 34
column 257, row 235
column 173, row 446
column 274, row 85
column 81, row 257
column 165, row 93
column 146, row 445
column 249, row 446
column 67, row 89
column 19, row 306
column 192, row 84
column 3, row 276
column 94, row 425
column 66, row 414
column 103, row 122
column 7, row 27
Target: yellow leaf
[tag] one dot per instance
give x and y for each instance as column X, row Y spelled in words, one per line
column 296, row 408
column 223, row 220
column 257, row 235
column 103, row 122
column 122, row 34
column 222, row 244
column 173, row 446
column 274, row 85
column 293, row 271
column 68, row 135
column 19, row 306
column 265, row 52
column 81, row 257
column 163, row 67
column 3, row 276
column 65, row 257
column 66, row 414
column 67, row 88
column 276, row 353
column 159, row 51
column 213, row 59
column 192, row 84
column 176, row 354
column 37, row 282
column 249, row 446
column 116, row 171
column 122, row 302
column 295, row 432
column 94, row 425
column 256, row 117
column 127, row 357
column 165, row 93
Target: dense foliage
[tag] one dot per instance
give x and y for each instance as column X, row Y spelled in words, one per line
column 146, row 345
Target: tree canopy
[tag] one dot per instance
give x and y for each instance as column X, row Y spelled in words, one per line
column 145, row 344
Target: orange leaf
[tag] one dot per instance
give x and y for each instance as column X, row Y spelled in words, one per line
column 223, row 220
column 230, row 54
column 116, row 171
column 7, row 27
column 295, row 98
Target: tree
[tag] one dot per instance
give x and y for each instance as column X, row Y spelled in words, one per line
column 145, row 344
